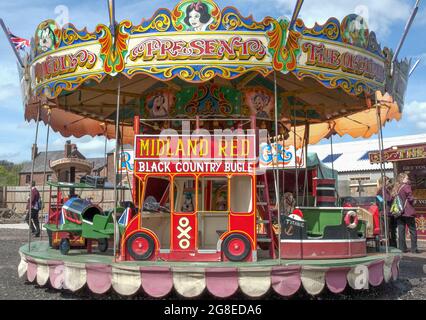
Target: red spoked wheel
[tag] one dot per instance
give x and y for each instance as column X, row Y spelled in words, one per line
column 236, row 247
column 140, row 246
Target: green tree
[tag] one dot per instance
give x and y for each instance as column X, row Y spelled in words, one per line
column 9, row 174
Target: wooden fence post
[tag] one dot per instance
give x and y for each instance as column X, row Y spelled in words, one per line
column 1, row 197
column 5, row 196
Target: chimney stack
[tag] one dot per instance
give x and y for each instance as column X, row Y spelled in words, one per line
column 68, row 149
column 34, row 152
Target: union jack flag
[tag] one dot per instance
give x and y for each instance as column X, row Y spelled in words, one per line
column 19, row 43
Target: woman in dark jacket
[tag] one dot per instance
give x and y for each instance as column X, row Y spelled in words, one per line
column 408, row 217
column 388, row 198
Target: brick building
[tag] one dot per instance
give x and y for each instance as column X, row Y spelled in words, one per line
column 62, row 165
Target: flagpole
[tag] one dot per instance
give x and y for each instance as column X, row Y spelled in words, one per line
column 10, row 42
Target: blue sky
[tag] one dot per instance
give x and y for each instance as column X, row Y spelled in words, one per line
column 386, row 17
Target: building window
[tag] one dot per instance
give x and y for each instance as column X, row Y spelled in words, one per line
column 27, row 178
column 49, row 178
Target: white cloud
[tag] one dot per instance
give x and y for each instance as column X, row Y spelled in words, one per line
column 415, row 112
column 380, row 15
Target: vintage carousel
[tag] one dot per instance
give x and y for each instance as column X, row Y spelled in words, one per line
column 215, row 105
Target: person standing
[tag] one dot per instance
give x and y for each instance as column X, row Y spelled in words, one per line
column 33, row 208
column 392, row 225
column 408, row 217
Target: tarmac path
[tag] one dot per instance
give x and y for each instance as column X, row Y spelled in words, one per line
column 410, row 286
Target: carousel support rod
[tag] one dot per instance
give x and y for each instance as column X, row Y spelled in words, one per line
column 405, row 33
column 137, row 131
column 6, row 32
column 33, row 156
column 49, row 113
column 382, row 172
column 123, row 191
column 105, row 158
column 296, row 12
column 295, row 159
column 414, row 67
column 117, row 148
column 111, row 11
column 332, row 154
column 277, row 172
column 305, row 187
column 197, row 122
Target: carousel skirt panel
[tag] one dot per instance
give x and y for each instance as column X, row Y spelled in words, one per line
column 157, row 282
column 285, row 278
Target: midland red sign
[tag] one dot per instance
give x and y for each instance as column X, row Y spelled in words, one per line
column 195, row 153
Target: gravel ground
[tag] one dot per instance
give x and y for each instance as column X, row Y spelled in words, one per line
column 410, row 286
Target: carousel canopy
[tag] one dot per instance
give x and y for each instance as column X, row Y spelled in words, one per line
column 361, row 124
column 199, row 59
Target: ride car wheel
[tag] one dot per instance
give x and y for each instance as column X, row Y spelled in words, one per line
column 102, row 245
column 236, row 247
column 64, row 246
column 140, row 246
column 50, row 238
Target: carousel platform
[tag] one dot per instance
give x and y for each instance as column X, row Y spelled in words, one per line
column 46, row 266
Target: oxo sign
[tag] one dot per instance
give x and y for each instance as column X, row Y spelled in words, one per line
column 183, row 236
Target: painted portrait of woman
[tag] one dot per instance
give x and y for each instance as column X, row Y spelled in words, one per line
column 158, row 106
column 198, row 17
